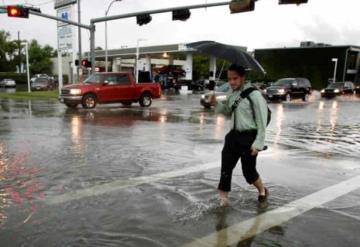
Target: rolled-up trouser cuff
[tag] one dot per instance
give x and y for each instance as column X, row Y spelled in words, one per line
column 252, row 179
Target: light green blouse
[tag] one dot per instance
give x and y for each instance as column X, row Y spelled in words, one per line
column 244, row 114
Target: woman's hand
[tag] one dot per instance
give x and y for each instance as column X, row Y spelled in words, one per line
column 254, row 151
column 212, row 100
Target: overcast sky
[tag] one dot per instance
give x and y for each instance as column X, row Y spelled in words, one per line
column 270, row 25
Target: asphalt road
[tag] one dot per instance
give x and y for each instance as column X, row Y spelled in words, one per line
column 117, row 176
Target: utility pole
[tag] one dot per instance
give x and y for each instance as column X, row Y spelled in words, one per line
column 27, row 65
column 19, row 43
column 79, row 38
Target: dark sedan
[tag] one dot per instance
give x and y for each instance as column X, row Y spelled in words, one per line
column 42, row 84
column 338, row 88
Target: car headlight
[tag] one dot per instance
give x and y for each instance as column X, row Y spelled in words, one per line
column 75, row 91
column 221, row 97
column 281, row 91
column 203, row 96
column 323, row 91
column 337, row 91
column 357, row 87
column 265, row 91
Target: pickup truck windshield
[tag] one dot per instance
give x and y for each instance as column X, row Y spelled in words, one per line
column 93, row 79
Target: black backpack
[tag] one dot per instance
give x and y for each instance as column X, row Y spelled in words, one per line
column 245, row 95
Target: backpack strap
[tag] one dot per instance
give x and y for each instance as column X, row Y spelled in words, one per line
column 244, row 94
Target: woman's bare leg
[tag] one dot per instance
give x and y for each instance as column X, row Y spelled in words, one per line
column 224, row 198
column 260, row 186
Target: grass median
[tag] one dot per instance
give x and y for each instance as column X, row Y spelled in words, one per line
column 42, row 95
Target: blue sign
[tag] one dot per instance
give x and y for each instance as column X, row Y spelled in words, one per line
column 65, row 16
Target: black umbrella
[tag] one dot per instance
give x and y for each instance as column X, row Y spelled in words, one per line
column 233, row 54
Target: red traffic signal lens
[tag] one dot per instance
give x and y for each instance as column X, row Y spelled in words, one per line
column 16, row 11
column 85, row 63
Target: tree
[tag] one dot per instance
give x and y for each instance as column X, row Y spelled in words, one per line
column 40, row 58
column 7, row 53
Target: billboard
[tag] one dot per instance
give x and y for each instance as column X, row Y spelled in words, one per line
column 65, row 31
column 64, row 3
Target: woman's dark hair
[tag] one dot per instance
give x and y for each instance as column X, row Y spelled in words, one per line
column 238, row 69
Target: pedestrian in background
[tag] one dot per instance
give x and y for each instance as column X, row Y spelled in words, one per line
column 247, row 136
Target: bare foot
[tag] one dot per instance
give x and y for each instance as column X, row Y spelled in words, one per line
column 224, row 202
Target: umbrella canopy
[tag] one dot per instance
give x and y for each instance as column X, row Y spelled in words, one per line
column 233, row 54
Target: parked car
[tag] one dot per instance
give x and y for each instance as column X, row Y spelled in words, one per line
column 357, row 88
column 42, row 84
column 110, row 88
column 289, row 88
column 338, row 88
column 220, row 94
column 8, row 83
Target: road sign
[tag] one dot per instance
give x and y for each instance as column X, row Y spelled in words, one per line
column 3, row 11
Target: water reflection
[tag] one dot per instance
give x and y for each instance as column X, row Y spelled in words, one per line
column 4, row 202
column 333, row 115
column 219, row 127
column 19, row 186
column 76, row 133
column 246, row 236
column 279, row 121
column 126, row 117
column 7, row 90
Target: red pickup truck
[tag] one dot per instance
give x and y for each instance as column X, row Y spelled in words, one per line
column 109, row 88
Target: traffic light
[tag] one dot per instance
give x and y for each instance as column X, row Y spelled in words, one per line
column 17, row 11
column 143, row 19
column 181, row 15
column 238, row 6
column 85, row 63
column 76, row 62
column 292, row 1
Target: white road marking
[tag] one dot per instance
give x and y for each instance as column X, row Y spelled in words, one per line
column 256, row 225
column 132, row 182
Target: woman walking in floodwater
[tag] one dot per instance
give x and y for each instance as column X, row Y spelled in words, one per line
column 249, row 120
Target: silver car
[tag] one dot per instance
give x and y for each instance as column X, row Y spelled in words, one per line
column 220, row 94
column 7, row 83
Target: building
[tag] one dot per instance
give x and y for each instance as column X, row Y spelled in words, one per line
column 154, row 56
column 313, row 61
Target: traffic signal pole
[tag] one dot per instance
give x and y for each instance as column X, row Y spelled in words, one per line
column 91, row 27
column 88, row 27
column 123, row 16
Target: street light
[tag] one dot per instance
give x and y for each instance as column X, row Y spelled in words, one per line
column 27, row 64
column 137, row 59
column 106, row 45
column 335, row 69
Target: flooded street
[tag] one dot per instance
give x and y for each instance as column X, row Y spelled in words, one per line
column 118, row 176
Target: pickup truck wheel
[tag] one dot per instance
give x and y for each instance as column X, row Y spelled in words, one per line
column 89, row 101
column 71, row 105
column 145, row 100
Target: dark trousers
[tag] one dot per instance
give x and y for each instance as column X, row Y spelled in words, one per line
column 237, row 145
